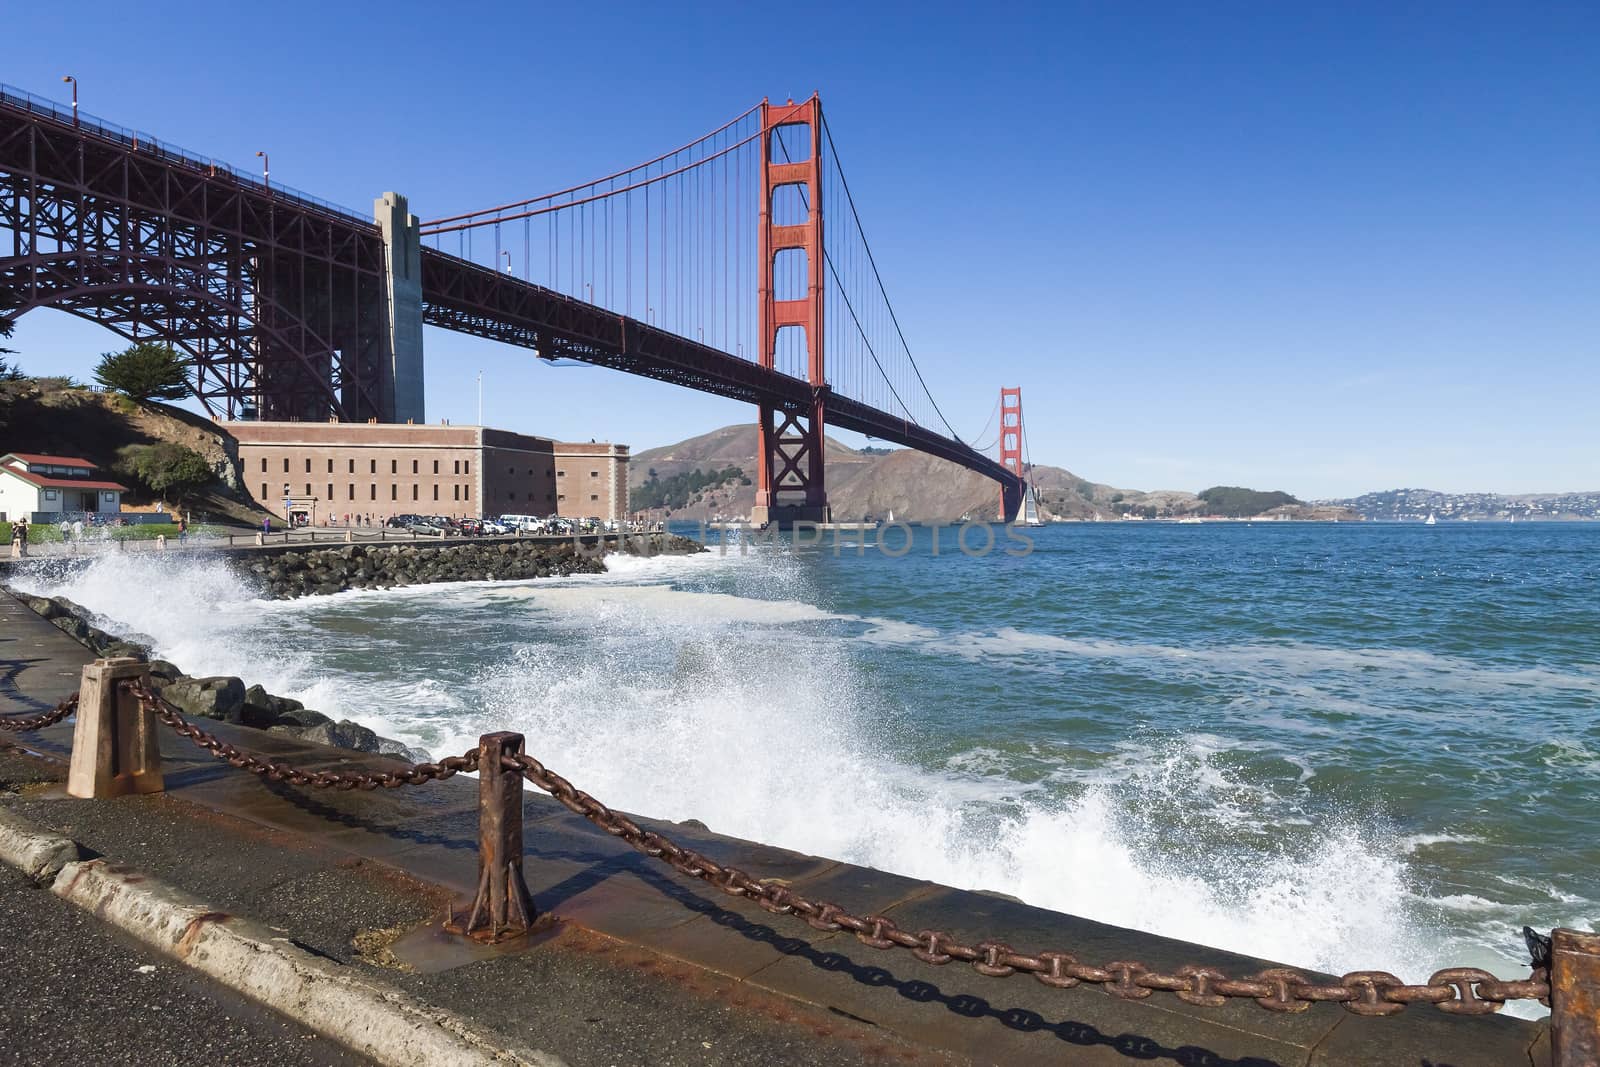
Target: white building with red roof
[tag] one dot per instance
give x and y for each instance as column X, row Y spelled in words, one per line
column 50, row 488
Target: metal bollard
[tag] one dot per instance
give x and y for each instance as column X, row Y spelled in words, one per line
column 502, row 908
column 115, row 749
column 1574, row 998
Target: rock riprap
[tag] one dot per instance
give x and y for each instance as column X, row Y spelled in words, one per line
column 320, row 571
column 297, row 572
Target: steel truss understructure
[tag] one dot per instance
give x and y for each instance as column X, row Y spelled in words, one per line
column 277, row 302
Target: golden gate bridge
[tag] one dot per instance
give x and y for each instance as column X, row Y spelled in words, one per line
column 736, row 264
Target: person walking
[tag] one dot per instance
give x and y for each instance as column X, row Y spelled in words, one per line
column 183, row 528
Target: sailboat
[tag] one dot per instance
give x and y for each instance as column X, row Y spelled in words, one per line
column 891, row 514
column 1430, row 520
column 1028, row 513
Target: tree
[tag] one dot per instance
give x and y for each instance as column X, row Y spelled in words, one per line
column 168, row 468
column 9, row 372
column 144, row 371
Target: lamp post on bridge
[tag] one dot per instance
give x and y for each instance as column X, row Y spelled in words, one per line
column 74, row 83
column 266, row 169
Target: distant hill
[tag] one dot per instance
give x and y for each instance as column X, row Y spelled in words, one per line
column 1392, row 505
column 875, row 481
column 1233, row 502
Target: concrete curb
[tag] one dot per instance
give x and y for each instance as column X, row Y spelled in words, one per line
column 39, row 854
column 377, row 1021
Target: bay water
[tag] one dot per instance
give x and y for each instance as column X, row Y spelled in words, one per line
column 1339, row 746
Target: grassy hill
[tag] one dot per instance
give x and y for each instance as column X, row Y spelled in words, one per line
column 51, row 416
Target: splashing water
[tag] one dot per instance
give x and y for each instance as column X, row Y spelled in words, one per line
column 1218, row 787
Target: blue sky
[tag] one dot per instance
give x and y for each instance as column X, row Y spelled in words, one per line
column 1325, row 248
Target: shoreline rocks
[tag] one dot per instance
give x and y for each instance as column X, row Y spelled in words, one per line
column 323, row 571
column 335, row 569
column 220, row 697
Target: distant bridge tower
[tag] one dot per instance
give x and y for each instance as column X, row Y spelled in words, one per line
column 789, row 482
column 1011, row 454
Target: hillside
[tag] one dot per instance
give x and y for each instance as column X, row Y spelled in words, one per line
column 1401, row 505
column 47, row 415
column 918, row 487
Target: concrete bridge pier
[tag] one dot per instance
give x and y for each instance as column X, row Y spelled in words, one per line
column 402, row 267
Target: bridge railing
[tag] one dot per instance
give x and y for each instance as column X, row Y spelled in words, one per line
column 153, row 146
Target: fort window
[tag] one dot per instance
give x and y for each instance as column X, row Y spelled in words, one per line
column 394, row 492
column 263, row 464
column 466, row 466
column 330, row 471
column 374, row 467
column 330, row 492
column 455, row 492
column 394, row 466
column 594, row 496
column 436, row 466
column 263, row 488
column 457, row 467
column 352, row 490
column 352, row 466
column 436, row 490
column 308, row 489
column 286, row 464
column 374, row 487
column 466, row 492
column 561, row 474
column 594, row 474
column 308, row 464
column 413, row 466
column 413, row 490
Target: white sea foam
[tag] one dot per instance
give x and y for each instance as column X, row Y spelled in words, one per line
column 748, row 713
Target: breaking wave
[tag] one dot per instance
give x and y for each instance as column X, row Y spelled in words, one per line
column 739, row 702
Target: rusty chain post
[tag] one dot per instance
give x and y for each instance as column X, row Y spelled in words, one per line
column 502, row 907
column 1574, row 998
column 1566, row 978
column 114, row 745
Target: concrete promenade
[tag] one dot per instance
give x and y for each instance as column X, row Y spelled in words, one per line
column 647, row 966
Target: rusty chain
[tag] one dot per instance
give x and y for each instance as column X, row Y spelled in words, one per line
column 416, row 774
column 1454, row 990
column 21, row 724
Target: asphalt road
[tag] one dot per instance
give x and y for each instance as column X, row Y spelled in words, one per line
column 75, row 990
